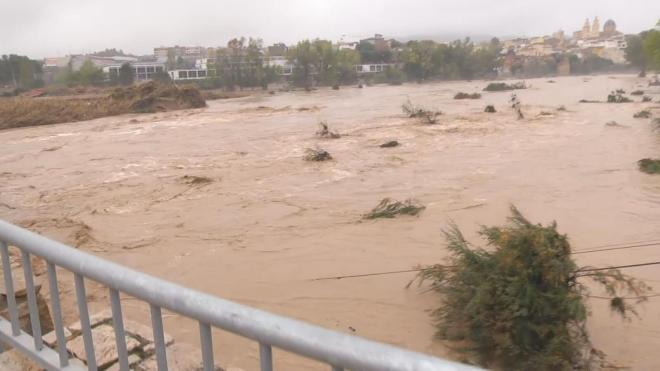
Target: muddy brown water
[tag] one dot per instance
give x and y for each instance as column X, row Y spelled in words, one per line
column 268, row 223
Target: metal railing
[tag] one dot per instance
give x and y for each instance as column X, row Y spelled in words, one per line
column 340, row 351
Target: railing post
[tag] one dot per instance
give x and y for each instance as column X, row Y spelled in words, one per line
column 84, row 322
column 32, row 301
column 57, row 315
column 266, row 357
column 118, row 323
column 9, row 286
column 206, row 339
column 159, row 337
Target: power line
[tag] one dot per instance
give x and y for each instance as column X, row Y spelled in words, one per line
column 366, row 274
column 618, row 267
column 616, row 248
column 609, row 247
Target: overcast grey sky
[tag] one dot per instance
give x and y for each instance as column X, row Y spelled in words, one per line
column 41, row 28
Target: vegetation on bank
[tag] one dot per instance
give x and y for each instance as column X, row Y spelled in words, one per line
column 520, row 303
column 147, row 97
column 649, row 165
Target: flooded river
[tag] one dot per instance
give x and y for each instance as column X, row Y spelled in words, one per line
column 267, row 224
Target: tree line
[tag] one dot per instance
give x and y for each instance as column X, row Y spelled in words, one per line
column 20, row 72
column 243, row 63
column 643, row 50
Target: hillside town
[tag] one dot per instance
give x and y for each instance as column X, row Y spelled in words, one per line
column 559, row 53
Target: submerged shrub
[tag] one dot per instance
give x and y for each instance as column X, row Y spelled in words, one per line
column 324, row 131
column 317, row 154
column 388, row 208
column 637, row 92
column 617, row 96
column 502, row 86
column 649, row 165
column 644, row 114
column 425, row 115
column 462, row 95
column 646, row 99
column 490, row 109
column 520, row 304
column 195, row 180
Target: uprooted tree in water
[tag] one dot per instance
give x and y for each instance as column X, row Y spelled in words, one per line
column 516, row 105
column 520, row 304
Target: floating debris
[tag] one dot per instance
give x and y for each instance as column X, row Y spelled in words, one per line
column 195, row 180
column 390, row 144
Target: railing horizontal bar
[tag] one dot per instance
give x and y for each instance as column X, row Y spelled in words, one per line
column 347, row 351
column 57, row 315
column 9, row 286
column 46, row 357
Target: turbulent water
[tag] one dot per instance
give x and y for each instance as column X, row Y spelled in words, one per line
column 266, row 224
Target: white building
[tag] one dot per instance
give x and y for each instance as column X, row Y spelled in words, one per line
column 373, row 68
column 285, row 67
column 188, row 74
column 141, row 70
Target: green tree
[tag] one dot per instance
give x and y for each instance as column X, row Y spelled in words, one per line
column 126, row 74
column 171, row 59
column 651, row 49
column 89, row 74
column 20, row 71
column 420, row 58
column 304, row 58
column 634, row 52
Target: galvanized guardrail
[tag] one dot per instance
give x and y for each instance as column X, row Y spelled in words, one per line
column 340, row 351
